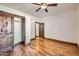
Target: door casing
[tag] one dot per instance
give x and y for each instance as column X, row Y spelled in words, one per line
column 41, row 29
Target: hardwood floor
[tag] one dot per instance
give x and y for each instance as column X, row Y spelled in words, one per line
column 44, row 47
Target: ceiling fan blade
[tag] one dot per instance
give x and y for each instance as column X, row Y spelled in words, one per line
column 52, row 4
column 36, row 4
column 42, row 3
column 38, row 9
column 46, row 10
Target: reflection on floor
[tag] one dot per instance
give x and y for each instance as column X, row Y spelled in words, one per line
column 45, row 47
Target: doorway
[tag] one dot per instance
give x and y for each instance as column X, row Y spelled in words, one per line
column 39, row 29
column 19, row 30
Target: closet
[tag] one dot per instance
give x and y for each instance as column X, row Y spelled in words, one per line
column 12, row 30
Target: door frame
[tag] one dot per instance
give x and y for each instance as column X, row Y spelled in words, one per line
column 35, row 28
column 22, row 31
column 39, row 28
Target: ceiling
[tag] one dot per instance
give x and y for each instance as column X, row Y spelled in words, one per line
column 30, row 8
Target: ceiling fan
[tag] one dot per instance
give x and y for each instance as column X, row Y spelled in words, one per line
column 44, row 6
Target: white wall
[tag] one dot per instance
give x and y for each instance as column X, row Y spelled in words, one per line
column 61, row 26
column 27, row 20
column 32, row 26
column 78, row 25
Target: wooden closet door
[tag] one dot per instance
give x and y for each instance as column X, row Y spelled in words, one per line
column 41, row 30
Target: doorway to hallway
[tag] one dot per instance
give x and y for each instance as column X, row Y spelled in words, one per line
column 39, row 29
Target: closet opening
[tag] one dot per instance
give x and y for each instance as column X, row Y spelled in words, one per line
column 12, row 31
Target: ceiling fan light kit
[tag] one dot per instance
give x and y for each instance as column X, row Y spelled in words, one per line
column 44, row 6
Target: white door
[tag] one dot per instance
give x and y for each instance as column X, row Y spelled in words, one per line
column 17, row 30
column 37, row 29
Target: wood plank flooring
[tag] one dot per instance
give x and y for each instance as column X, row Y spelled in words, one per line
column 45, row 47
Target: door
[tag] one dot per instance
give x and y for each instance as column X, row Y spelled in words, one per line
column 39, row 29
column 17, row 30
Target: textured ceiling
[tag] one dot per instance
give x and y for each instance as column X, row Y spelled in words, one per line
column 30, row 8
